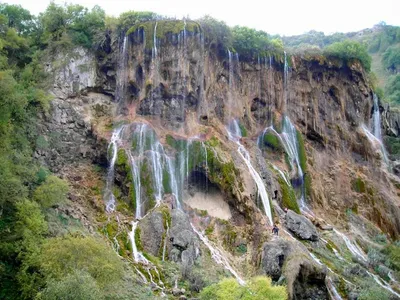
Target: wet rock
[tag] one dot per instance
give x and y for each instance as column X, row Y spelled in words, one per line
column 301, row 226
column 152, row 231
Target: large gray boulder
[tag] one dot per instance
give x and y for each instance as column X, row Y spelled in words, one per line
column 151, row 232
column 273, row 256
column 290, row 261
column 184, row 245
column 301, row 226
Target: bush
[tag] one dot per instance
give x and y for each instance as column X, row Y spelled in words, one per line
column 76, row 286
column 392, row 89
column 63, row 256
column 216, row 32
column 393, row 253
column 257, row 288
column 53, row 191
column 374, row 292
column 348, row 51
column 250, row 43
column 391, row 58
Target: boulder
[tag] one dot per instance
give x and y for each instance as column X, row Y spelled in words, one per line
column 273, row 256
column 290, row 261
column 152, row 231
column 305, row 279
column 184, row 245
column 301, row 226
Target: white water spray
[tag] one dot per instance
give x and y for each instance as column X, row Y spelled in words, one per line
column 234, row 134
column 113, row 147
column 217, row 256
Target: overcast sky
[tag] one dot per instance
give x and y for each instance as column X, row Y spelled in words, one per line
column 274, row 16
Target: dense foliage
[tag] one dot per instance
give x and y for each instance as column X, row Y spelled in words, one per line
column 256, row 288
column 349, row 51
column 382, row 43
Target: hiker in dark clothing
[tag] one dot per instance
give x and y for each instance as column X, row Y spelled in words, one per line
column 275, row 229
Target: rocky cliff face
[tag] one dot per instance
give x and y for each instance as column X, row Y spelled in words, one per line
column 182, row 87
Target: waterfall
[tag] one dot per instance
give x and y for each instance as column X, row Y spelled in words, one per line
column 155, row 42
column 148, row 159
column 377, row 143
column 333, row 293
column 137, row 256
column 122, row 72
column 217, row 256
column 376, row 116
column 234, row 134
column 285, row 82
column 234, row 66
column 113, row 147
column 165, row 242
column 383, row 284
column 282, row 174
column 353, row 248
column 174, row 182
column 289, row 140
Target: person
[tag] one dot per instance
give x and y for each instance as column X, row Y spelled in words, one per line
column 286, row 210
column 275, row 229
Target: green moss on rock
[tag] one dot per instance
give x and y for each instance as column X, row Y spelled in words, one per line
column 138, row 241
column 358, row 185
column 288, row 196
column 272, row 141
column 303, row 164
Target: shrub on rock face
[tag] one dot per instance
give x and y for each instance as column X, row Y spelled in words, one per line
column 348, row 51
column 257, row 288
column 53, row 191
column 78, row 285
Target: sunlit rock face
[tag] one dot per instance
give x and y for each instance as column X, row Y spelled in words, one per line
column 165, row 104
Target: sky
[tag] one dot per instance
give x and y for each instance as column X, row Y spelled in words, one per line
column 289, row 17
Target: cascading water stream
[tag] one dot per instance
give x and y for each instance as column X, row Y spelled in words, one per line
column 376, row 116
column 376, row 142
column 113, row 147
column 122, row 72
column 217, row 256
column 137, row 256
column 234, row 134
column 288, row 139
column 353, row 248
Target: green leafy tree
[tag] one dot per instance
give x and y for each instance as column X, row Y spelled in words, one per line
column 216, row 33
column 131, row 18
column 51, row 192
column 18, row 18
column 392, row 89
column 348, row 51
column 62, row 256
column 78, row 285
column 391, row 58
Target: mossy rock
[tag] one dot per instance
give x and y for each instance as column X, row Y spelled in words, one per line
column 303, row 164
column 138, row 241
column 243, row 130
column 179, row 145
column 358, row 185
column 272, row 141
column 288, row 196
